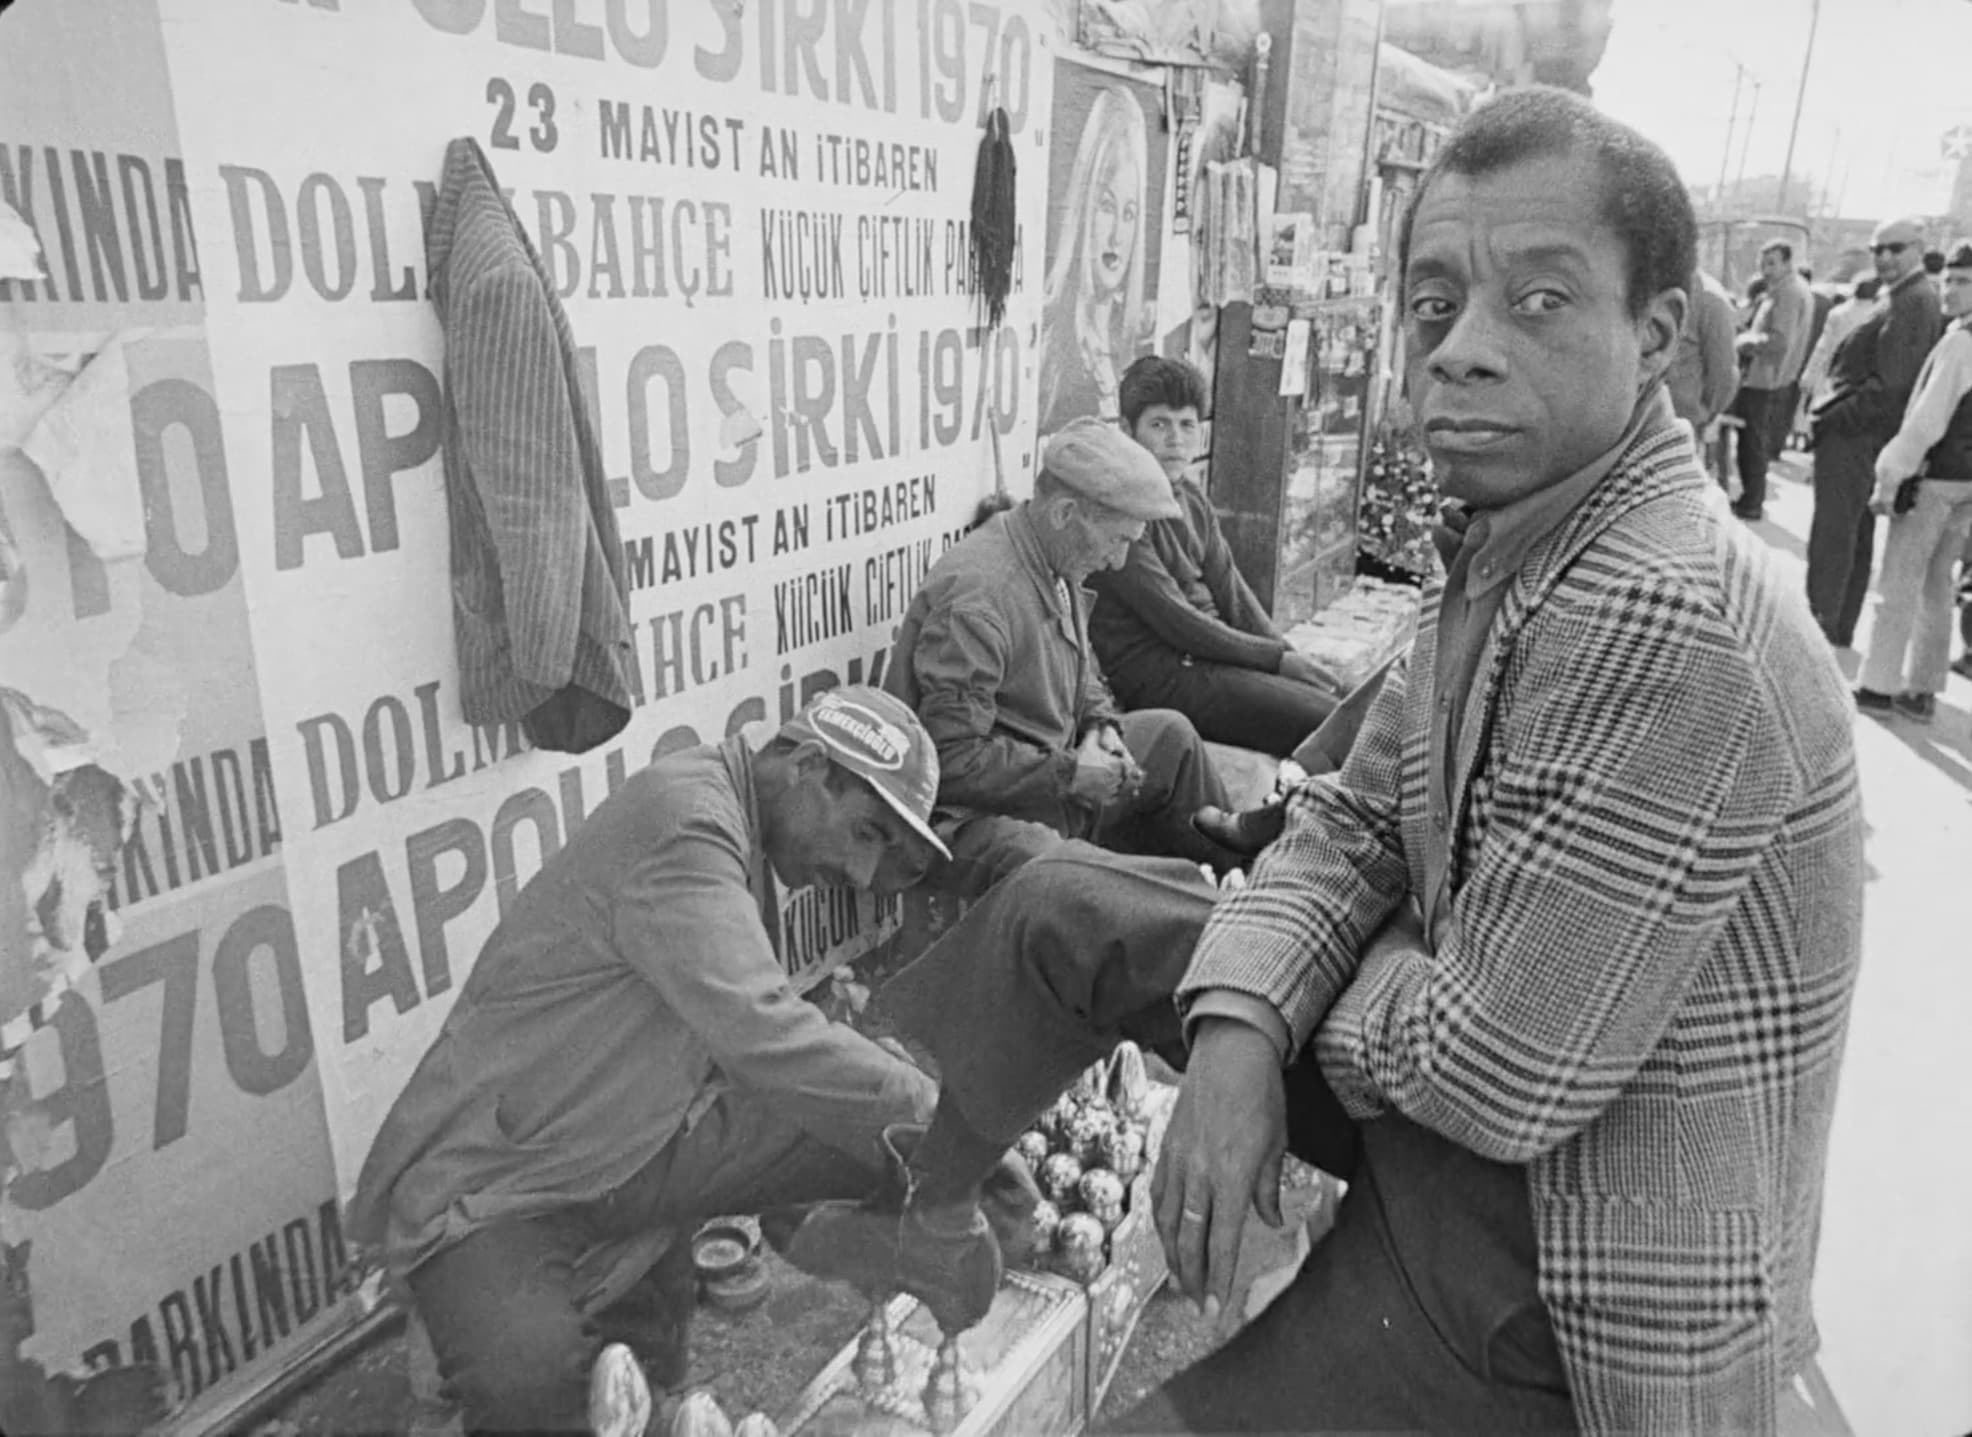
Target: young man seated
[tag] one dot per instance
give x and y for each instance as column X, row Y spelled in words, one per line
column 1177, row 627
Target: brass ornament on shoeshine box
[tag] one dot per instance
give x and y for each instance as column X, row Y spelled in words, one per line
column 1026, row 1369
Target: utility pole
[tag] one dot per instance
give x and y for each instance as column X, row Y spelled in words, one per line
column 1746, row 140
column 1732, row 124
column 1794, row 130
column 1828, row 173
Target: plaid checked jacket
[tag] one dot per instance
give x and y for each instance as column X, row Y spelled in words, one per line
column 1641, row 988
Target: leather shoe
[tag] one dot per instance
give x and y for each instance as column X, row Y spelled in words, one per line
column 845, row 1241
column 1244, row 834
column 1007, row 1197
column 948, row 1256
column 945, row 1257
column 948, row 1259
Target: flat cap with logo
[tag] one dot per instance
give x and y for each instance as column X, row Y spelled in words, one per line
column 1101, row 462
column 875, row 736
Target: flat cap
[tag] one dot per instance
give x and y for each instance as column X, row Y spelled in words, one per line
column 1960, row 256
column 1102, row 463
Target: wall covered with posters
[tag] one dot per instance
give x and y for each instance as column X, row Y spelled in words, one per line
column 248, row 846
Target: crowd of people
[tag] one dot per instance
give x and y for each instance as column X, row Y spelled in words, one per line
column 1552, row 965
column 1871, row 380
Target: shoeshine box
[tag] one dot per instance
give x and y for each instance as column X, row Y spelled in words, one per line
column 1027, row 1365
column 1042, row 1359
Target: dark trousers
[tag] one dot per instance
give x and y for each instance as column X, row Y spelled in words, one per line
column 1348, row 1347
column 1786, row 415
column 1842, row 535
column 516, row 1313
column 1080, row 948
column 1757, row 408
column 1178, row 780
column 1244, row 707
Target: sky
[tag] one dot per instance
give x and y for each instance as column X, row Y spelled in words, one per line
column 1886, row 81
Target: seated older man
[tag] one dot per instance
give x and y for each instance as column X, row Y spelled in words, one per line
column 994, row 656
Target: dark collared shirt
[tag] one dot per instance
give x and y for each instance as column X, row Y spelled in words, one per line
column 1481, row 552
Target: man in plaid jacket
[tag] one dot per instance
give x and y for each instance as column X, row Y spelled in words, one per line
column 1557, row 969
column 1617, row 780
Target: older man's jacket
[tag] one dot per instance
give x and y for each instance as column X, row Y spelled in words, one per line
column 994, row 657
column 1642, row 989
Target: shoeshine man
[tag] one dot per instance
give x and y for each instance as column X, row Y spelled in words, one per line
column 627, row 1059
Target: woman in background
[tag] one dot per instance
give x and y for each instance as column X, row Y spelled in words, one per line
column 1094, row 322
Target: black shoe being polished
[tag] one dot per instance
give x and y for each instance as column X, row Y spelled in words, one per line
column 949, row 1260
column 1920, row 708
column 1244, row 833
column 1869, row 701
column 946, row 1255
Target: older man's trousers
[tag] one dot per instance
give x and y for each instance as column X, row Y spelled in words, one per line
column 1178, row 780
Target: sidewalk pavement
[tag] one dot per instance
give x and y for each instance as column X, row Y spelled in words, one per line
column 1893, row 1288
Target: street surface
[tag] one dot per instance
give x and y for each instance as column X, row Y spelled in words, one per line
column 1893, row 1288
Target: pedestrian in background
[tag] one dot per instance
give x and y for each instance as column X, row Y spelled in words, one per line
column 1704, row 375
column 1822, row 297
column 1962, row 665
column 1842, row 322
column 1775, row 344
column 1910, row 645
column 1870, row 379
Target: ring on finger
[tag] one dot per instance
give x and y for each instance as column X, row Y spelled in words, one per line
column 1192, row 1214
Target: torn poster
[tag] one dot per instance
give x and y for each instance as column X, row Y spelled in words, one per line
column 63, row 820
column 29, row 384
column 83, row 446
column 20, row 251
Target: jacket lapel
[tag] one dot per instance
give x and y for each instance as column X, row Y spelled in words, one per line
column 1414, row 800
column 1658, row 463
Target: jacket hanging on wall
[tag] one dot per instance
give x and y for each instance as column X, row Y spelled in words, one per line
column 994, row 218
column 540, row 606
column 991, row 238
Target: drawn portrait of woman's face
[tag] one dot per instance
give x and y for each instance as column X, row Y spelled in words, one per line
column 1111, row 236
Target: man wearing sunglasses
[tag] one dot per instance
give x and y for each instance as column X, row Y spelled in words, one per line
column 1869, row 382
